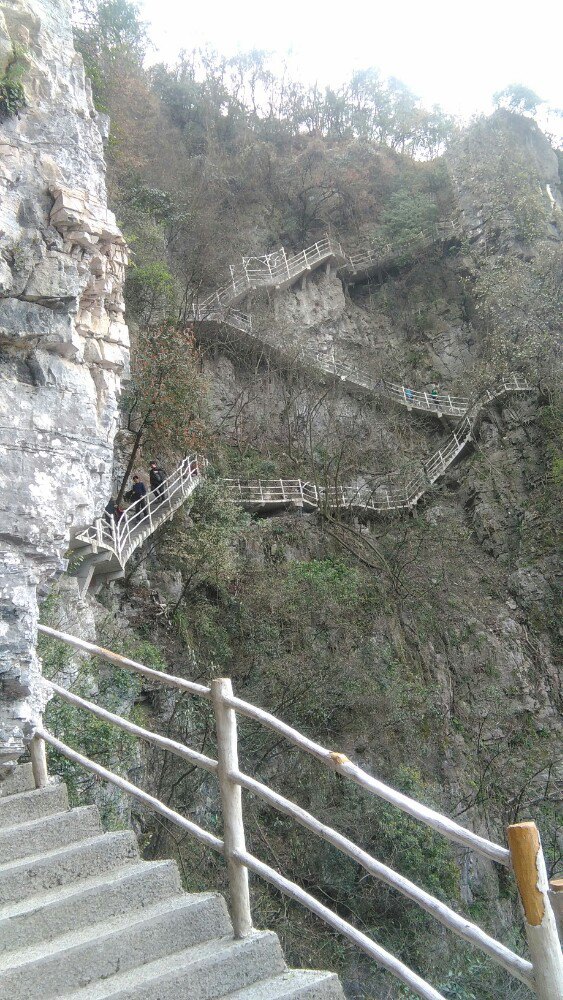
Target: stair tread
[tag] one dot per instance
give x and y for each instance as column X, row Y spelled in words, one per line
column 33, row 823
column 99, row 931
column 75, row 889
column 31, row 793
column 17, row 802
column 29, row 861
column 157, row 970
column 65, row 827
column 285, row 985
column 18, row 780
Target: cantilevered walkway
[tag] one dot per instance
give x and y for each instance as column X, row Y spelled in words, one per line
column 103, row 550
column 106, row 546
column 279, row 270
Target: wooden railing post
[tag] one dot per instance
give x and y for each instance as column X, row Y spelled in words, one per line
column 39, row 761
column 556, row 899
column 231, row 800
column 541, row 930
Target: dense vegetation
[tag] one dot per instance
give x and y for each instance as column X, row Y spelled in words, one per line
column 410, row 646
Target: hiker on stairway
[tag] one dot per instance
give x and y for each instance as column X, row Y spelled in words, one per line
column 109, row 510
column 139, row 496
column 157, row 477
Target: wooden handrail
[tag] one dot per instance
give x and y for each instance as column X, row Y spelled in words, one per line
column 127, row 786
column 384, row 958
column 232, row 780
column 539, row 919
column 340, row 763
column 170, row 680
column 464, row 928
column 162, row 742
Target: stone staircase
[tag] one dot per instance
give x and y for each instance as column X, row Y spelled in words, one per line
column 82, row 916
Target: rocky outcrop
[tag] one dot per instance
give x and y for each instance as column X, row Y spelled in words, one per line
column 63, row 341
column 506, row 178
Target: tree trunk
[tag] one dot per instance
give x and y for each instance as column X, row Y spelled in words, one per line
column 130, row 463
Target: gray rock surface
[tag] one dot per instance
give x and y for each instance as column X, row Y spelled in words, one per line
column 63, row 342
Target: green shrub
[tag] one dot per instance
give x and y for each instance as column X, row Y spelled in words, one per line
column 12, row 93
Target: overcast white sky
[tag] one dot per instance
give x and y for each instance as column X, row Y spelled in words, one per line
column 447, row 53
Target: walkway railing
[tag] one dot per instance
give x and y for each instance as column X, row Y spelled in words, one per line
column 273, row 270
column 369, row 258
column 544, row 975
column 279, row 270
column 294, row 492
column 142, row 517
column 442, row 404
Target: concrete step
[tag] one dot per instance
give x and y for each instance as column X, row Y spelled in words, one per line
column 292, row 984
column 103, row 556
column 90, row 900
column 112, row 946
column 18, row 780
column 24, row 878
column 215, row 969
column 49, row 832
column 26, row 806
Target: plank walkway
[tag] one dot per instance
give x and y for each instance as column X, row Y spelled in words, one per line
column 269, row 494
column 278, row 270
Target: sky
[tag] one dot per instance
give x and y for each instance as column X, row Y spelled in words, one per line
column 448, row 53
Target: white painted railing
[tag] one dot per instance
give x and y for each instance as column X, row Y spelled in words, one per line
column 366, row 259
column 294, row 492
column 431, row 401
column 279, row 270
column 226, row 315
column 140, row 520
column 142, row 517
column 273, row 270
column 544, row 976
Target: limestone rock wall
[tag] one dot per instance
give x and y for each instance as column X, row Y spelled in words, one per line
column 63, row 341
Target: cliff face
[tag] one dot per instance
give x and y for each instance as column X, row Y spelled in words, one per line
column 63, row 343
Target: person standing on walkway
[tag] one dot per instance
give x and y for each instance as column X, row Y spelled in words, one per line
column 109, row 510
column 157, row 477
column 139, row 495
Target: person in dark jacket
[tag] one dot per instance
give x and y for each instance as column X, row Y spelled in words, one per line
column 109, row 510
column 139, row 496
column 157, row 477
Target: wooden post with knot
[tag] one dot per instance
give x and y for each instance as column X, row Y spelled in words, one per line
column 541, row 930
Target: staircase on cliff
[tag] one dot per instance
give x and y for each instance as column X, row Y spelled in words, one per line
column 105, row 547
column 280, row 270
column 83, row 917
